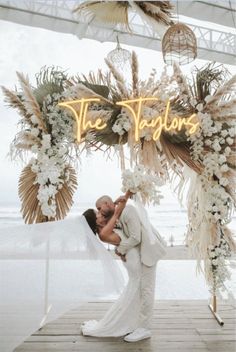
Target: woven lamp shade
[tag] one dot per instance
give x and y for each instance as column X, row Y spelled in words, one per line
column 179, row 44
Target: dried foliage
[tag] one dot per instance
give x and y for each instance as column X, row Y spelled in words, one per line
column 28, row 191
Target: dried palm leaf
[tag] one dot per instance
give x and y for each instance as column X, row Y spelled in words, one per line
column 150, row 157
column 107, row 136
column 224, row 92
column 30, row 101
column 107, row 12
column 120, row 82
column 83, row 91
column 28, row 191
column 207, row 80
column 160, row 11
column 49, row 80
column 101, row 90
column 179, row 153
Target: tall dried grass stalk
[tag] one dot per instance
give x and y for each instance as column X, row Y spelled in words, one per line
column 134, row 68
column 30, row 101
column 120, row 82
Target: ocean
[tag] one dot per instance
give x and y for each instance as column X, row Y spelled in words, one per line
column 168, row 219
column 176, row 279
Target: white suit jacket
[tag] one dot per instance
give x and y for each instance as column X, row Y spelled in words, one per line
column 136, row 235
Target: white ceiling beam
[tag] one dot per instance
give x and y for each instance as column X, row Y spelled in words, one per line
column 220, row 12
column 213, row 45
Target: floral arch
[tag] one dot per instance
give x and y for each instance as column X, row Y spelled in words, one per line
column 205, row 158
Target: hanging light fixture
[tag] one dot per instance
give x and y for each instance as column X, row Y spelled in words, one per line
column 119, row 56
column 179, row 44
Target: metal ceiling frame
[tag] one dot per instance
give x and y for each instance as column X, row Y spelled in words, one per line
column 213, row 45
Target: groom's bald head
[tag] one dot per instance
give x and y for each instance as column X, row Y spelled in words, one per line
column 105, row 205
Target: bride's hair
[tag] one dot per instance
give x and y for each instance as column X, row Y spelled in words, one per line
column 91, row 218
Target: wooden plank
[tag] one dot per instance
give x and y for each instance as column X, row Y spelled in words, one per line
column 177, row 326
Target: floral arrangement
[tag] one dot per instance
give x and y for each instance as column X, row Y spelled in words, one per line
column 214, row 147
column 46, row 132
column 206, row 158
column 143, row 182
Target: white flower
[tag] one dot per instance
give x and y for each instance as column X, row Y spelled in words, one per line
column 208, row 142
column 214, row 261
column 222, row 159
column 46, row 141
column 35, row 132
column 229, row 140
column 224, row 133
column 122, row 124
column 34, row 149
column 224, row 181
column 232, row 132
column 199, row 107
column 227, row 151
column 142, row 182
column 34, row 119
column 208, row 98
column 216, row 146
column 224, row 168
column 193, row 102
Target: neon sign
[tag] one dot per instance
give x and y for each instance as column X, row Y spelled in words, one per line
column 158, row 123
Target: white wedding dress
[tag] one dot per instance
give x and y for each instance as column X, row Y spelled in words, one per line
column 125, row 315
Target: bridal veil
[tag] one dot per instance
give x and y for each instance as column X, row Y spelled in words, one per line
column 47, row 269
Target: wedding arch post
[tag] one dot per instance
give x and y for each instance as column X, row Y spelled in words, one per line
column 213, row 307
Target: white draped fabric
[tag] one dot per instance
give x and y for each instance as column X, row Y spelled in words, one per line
column 47, row 269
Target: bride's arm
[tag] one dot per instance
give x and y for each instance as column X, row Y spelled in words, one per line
column 112, row 238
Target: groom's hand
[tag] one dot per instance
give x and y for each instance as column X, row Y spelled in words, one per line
column 122, row 256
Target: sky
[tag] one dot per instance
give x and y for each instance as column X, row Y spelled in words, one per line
column 27, row 49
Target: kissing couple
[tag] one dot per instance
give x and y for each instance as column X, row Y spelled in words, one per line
column 139, row 246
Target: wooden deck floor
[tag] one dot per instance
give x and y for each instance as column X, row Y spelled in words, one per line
column 178, row 326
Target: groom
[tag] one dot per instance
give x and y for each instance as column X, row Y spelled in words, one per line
column 150, row 253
